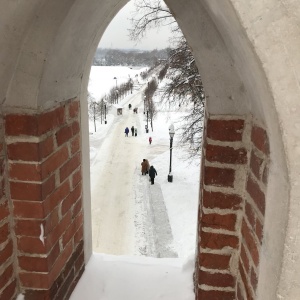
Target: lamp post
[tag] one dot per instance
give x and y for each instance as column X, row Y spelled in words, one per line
column 105, row 122
column 145, row 97
column 116, row 82
column 171, row 133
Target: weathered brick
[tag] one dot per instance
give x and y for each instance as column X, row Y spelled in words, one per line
column 57, row 196
column 10, row 291
column 75, row 145
column 216, row 279
column 23, row 151
column 26, row 191
column 33, row 264
column 218, row 241
column 218, row 221
column 63, row 135
column 76, row 178
column 254, row 279
column 260, row 139
column 225, row 154
column 6, row 252
column 259, row 230
column 250, row 242
column 4, row 233
column 214, row 261
column 34, row 280
column 78, row 237
column 256, row 194
column 245, row 280
column 6, row 276
column 75, row 128
column 61, row 261
column 58, row 231
column 215, row 295
column 28, row 209
column 16, row 124
column 51, row 120
column 219, row 176
column 55, row 161
column 27, row 227
column 71, row 199
column 244, row 258
column 4, row 211
column 225, row 130
column 239, row 293
column 255, row 165
column 74, row 109
column 31, row 245
column 69, row 234
column 250, row 214
column 25, row 172
column 70, row 166
column 46, row 147
column 77, row 208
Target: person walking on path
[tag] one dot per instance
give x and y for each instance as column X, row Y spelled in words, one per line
column 145, row 167
column 150, row 140
column 132, row 130
column 126, row 131
column 152, row 173
column 135, row 131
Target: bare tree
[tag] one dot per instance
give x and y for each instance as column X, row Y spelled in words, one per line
column 185, row 85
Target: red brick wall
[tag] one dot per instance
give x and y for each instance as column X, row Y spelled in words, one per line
column 230, row 223
column 8, row 282
column 253, row 217
column 44, row 155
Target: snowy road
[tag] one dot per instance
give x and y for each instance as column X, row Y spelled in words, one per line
column 112, row 193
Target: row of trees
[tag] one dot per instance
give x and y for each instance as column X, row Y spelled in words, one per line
column 117, row 57
column 99, row 108
column 185, row 86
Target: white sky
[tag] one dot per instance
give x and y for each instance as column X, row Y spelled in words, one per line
column 116, row 277
column 116, row 34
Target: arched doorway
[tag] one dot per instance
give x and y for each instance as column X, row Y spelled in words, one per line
column 252, row 102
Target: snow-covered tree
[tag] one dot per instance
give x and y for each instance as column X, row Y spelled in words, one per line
column 184, row 86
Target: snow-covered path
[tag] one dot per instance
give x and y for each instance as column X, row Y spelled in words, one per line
column 112, row 193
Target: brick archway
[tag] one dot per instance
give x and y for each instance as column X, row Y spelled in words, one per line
column 46, row 58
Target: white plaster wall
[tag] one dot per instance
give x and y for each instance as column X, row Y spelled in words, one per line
column 248, row 55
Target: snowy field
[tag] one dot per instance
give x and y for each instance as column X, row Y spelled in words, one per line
column 131, row 275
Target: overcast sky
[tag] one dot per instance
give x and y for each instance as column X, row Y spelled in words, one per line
column 116, row 34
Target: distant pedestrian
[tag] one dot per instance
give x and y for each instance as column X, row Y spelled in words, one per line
column 132, row 130
column 126, row 131
column 150, row 140
column 135, row 131
column 147, row 166
column 152, row 173
column 144, row 167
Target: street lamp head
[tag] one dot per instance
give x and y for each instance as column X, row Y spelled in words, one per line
column 171, row 131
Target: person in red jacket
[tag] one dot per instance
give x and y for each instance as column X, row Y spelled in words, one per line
column 150, row 140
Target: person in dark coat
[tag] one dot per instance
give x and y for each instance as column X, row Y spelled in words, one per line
column 152, row 173
column 126, row 131
column 132, row 130
column 150, row 140
column 135, row 131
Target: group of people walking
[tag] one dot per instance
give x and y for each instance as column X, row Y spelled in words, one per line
column 147, row 169
column 133, row 131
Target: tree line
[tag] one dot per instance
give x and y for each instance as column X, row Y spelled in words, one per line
column 119, row 57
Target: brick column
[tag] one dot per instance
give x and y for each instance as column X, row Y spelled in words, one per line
column 231, row 208
column 254, row 211
column 44, row 155
column 8, row 282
